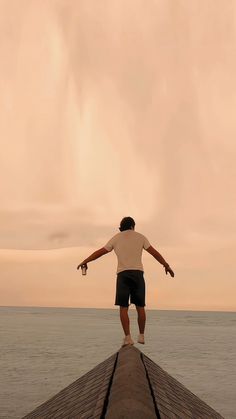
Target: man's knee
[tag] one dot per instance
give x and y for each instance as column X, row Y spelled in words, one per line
column 140, row 308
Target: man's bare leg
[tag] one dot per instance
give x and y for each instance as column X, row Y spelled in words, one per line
column 124, row 318
column 141, row 319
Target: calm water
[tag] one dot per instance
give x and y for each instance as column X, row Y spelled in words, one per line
column 44, row 349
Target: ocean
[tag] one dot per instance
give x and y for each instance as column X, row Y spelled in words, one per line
column 42, row 350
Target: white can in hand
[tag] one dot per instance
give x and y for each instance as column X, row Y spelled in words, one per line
column 84, row 269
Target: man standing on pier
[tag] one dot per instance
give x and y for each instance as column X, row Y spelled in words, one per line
column 128, row 246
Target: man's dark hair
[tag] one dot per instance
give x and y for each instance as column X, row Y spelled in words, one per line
column 126, row 223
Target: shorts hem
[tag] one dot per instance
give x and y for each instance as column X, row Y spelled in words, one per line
column 124, row 305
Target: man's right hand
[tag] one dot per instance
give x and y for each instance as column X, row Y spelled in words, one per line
column 168, row 269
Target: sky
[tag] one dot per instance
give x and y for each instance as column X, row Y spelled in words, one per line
column 113, row 109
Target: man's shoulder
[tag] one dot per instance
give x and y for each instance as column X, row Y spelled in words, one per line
column 139, row 234
column 115, row 236
column 144, row 239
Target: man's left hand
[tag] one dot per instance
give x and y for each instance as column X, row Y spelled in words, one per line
column 168, row 269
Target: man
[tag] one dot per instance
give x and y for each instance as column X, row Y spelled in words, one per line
column 128, row 246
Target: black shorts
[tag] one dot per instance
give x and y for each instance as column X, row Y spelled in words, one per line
column 130, row 284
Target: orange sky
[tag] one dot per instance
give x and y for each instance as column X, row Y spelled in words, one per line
column 111, row 109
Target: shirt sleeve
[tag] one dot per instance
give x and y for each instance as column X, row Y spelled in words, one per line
column 110, row 245
column 146, row 243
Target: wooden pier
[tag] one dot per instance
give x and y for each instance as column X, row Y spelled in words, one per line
column 127, row 385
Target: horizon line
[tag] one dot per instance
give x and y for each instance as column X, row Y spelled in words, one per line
column 114, row 308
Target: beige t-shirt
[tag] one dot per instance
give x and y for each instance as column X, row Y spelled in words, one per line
column 128, row 246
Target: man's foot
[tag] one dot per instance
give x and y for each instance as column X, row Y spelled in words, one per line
column 128, row 341
column 141, row 338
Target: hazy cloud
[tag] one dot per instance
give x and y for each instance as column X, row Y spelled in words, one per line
column 111, row 109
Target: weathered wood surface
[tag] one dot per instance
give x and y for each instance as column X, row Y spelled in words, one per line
column 173, row 400
column 130, row 395
column 128, row 385
column 83, row 399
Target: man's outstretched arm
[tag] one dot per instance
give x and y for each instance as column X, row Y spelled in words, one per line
column 160, row 259
column 93, row 256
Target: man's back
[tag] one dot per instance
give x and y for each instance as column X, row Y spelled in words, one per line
column 128, row 246
column 130, row 283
